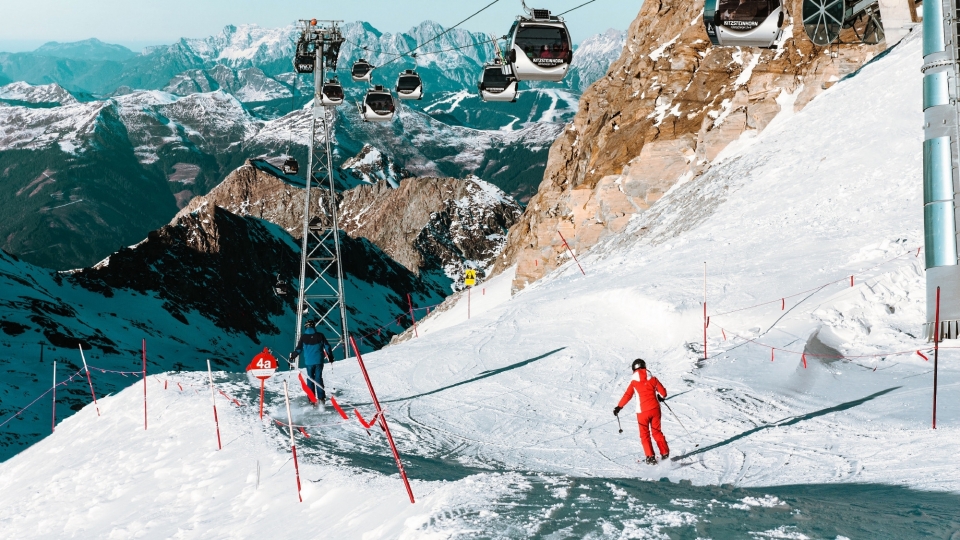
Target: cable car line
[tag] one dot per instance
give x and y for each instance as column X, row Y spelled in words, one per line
column 441, row 34
column 578, row 7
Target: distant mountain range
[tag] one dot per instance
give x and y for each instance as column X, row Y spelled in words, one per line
column 99, row 145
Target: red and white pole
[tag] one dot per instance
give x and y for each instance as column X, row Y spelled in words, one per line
column 213, row 398
column 468, row 303
column 571, row 252
column 53, row 422
column 89, row 380
column 383, row 422
column 704, row 310
column 144, row 346
column 936, row 355
column 412, row 318
column 293, row 443
column 262, row 382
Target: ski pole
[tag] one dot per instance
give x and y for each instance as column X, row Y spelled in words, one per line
column 618, row 423
column 678, row 421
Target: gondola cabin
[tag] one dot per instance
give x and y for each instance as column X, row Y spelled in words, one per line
column 744, row 23
column 409, row 85
column 304, row 61
column 281, row 288
column 378, row 105
column 362, row 71
column 331, row 93
column 497, row 83
column 540, row 47
column 290, row 166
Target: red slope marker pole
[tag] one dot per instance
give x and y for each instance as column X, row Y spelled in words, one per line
column 468, row 303
column 262, row 382
column 53, row 422
column 412, row 318
column 293, row 443
column 571, row 252
column 144, row 384
column 936, row 355
column 213, row 398
column 383, row 421
column 89, row 380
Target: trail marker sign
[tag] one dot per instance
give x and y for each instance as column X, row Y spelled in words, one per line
column 263, row 366
column 470, row 279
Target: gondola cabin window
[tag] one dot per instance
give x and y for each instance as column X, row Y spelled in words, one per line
column 545, row 46
column 745, row 14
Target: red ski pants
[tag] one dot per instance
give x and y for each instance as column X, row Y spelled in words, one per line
column 650, row 421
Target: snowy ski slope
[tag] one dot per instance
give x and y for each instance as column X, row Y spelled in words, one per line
column 529, row 384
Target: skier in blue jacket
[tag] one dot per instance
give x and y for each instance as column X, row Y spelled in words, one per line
column 314, row 348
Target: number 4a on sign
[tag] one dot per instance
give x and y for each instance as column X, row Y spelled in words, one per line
column 262, row 367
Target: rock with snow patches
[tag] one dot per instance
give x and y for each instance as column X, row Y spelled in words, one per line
column 43, row 95
column 371, row 166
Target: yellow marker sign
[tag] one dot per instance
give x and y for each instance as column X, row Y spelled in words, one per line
column 471, row 278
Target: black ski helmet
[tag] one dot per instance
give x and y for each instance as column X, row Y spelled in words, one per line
column 310, row 324
column 638, row 364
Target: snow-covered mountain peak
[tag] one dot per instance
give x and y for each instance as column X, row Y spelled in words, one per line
column 371, row 166
column 51, row 93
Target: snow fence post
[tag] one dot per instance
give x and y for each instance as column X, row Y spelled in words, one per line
column 293, row 443
column 704, row 310
column 213, row 399
column 412, row 318
column 571, row 252
column 144, row 348
column 53, row 421
column 383, row 421
column 936, row 354
column 89, row 380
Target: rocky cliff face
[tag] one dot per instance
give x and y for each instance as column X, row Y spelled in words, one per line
column 211, row 261
column 663, row 113
column 433, row 223
column 428, row 225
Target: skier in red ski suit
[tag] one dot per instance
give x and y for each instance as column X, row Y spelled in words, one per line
column 649, row 395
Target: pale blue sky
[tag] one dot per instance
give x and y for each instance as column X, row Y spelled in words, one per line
column 27, row 24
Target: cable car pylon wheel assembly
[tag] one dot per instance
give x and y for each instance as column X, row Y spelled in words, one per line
column 321, row 296
column 823, row 20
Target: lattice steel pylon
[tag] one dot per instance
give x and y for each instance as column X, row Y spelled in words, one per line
column 321, row 272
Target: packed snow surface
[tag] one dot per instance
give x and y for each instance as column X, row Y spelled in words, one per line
column 529, row 384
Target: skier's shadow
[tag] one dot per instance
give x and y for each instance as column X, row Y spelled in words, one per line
column 790, row 421
column 483, row 375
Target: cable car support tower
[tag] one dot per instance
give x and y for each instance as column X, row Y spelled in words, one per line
column 321, row 296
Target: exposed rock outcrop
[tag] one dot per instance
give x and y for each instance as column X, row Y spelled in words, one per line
column 211, row 261
column 371, row 166
column 433, row 223
column 425, row 224
column 662, row 114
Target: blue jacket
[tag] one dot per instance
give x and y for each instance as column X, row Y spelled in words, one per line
column 314, row 348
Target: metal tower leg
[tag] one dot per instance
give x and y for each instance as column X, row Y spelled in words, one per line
column 321, row 296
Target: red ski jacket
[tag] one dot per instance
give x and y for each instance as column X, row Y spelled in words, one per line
column 646, row 388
